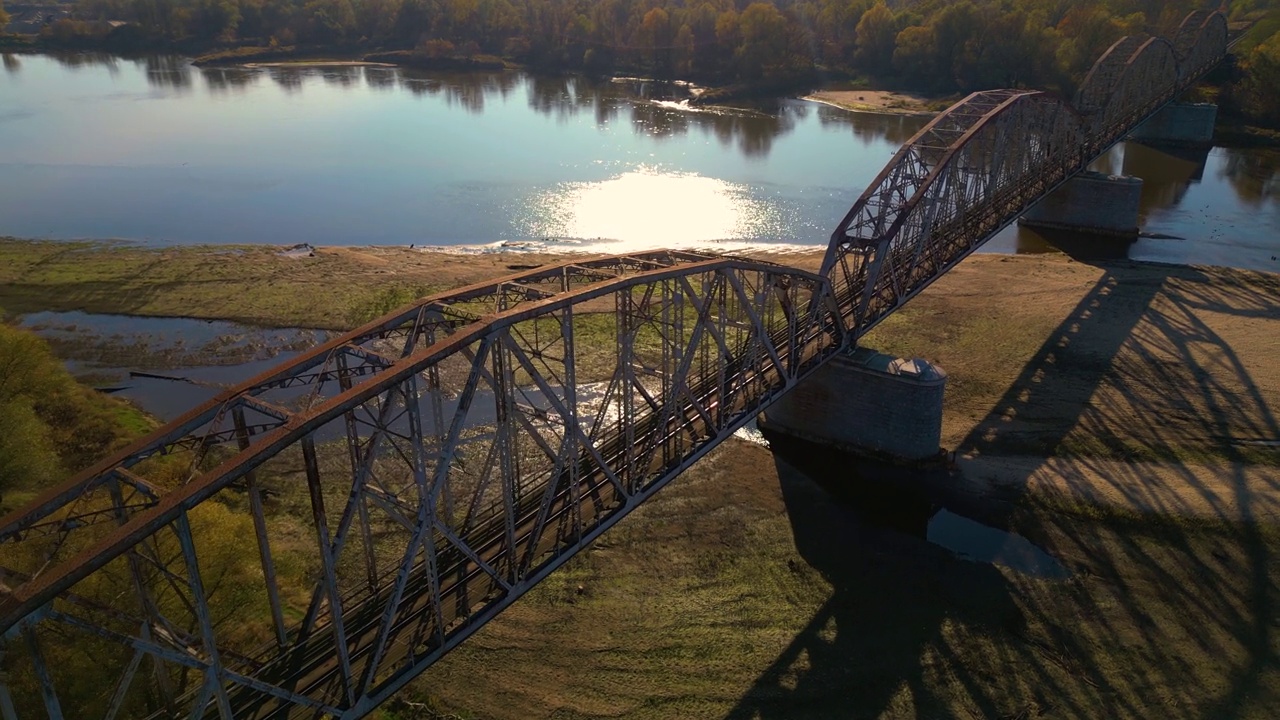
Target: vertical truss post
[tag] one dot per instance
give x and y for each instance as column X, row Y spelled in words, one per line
column 353, row 449
column 264, row 540
column 506, row 447
column 213, row 679
column 625, row 326
column 329, row 574
column 423, row 533
column 7, row 710
column 47, row 692
column 571, row 453
column 437, row 425
column 430, row 497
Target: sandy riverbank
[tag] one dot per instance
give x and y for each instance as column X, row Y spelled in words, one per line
column 879, row 101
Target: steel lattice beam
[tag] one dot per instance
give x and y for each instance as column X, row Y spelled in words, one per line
column 445, row 458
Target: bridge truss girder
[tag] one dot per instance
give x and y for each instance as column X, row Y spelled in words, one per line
column 984, row 162
column 451, row 454
column 440, row 488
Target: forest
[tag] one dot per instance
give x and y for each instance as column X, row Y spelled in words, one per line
column 936, row 46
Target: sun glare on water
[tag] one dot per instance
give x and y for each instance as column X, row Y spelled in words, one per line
column 647, row 208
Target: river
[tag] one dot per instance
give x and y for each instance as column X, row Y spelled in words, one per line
column 157, row 151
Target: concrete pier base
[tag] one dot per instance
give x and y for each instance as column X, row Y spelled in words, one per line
column 867, row 403
column 1179, row 124
column 1090, row 202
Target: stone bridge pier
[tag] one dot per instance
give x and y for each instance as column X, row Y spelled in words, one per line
column 866, row 403
column 1180, row 125
column 1091, row 202
column 1109, row 205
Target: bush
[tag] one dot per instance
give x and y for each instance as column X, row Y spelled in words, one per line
column 50, row 424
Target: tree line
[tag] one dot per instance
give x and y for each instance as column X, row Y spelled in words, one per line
column 933, row 45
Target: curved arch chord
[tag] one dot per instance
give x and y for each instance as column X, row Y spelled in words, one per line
column 243, row 414
column 1095, row 92
column 989, row 177
column 1149, row 79
column 867, row 252
column 884, row 201
column 1185, row 40
column 1210, row 46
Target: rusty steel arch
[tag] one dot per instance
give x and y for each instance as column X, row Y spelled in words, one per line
column 890, row 196
column 346, row 360
column 453, row 453
column 935, row 203
column 902, row 232
column 475, row 460
column 1206, row 50
column 1095, row 92
column 1145, row 81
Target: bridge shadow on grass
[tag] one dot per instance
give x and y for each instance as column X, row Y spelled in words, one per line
column 1133, row 447
column 1164, row 484
column 898, row 604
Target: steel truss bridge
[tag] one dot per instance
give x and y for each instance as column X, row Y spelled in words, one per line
column 307, row 543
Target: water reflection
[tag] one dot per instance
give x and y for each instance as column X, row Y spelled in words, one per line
column 221, row 80
column 1166, row 173
column 500, row 158
column 655, row 109
column 342, row 75
column 633, row 209
column 1253, row 173
column 873, row 127
column 79, row 60
column 381, row 78
column 288, row 77
column 752, row 130
column 11, row 63
column 168, row 71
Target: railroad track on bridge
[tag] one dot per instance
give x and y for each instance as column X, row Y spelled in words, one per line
column 455, row 452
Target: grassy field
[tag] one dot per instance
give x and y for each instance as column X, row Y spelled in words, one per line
column 1118, row 415
column 335, row 288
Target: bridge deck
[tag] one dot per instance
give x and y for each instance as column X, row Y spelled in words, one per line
column 455, row 452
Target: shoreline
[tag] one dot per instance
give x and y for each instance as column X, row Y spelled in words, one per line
column 882, row 102
column 308, row 63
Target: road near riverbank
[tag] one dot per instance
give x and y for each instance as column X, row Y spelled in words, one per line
column 1120, row 415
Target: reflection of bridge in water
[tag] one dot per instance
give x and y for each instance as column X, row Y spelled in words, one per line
column 454, row 453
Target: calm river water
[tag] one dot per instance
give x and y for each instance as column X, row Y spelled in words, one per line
column 157, row 151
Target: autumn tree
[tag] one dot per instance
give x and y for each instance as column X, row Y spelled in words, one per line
column 914, row 56
column 765, row 48
column 329, row 22
column 656, row 36
column 49, row 424
column 875, row 35
column 216, row 19
column 1257, row 93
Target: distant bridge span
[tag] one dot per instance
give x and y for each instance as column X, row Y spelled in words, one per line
column 307, row 543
